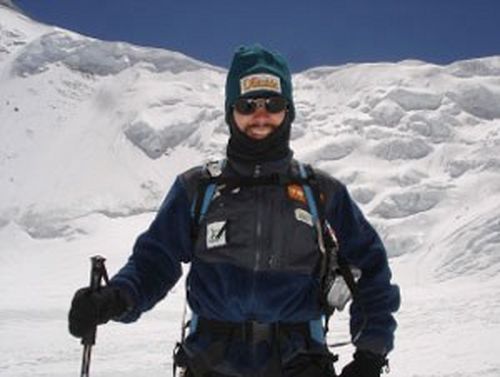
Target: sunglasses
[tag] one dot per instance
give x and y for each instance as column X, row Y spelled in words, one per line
column 273, row 105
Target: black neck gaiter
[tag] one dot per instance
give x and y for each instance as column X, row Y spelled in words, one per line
column 242, row 148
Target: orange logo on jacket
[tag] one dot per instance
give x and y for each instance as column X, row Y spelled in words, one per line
column 296, row 192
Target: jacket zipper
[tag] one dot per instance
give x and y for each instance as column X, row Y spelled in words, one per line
column 258, row 236
column 258, row 230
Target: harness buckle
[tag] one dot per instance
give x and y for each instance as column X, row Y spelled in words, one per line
column 255, row 332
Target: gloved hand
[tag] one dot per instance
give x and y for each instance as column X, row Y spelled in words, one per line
column 365, row 364
column 91, row 308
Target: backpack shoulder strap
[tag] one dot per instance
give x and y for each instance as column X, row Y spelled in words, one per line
column 311, row 190
column 206, row 190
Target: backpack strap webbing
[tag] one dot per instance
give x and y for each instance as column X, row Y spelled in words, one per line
column 313, row 197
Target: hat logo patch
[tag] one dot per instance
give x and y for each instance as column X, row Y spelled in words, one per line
column 258, row 82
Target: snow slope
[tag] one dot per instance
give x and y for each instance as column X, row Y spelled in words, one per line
column 93, row 133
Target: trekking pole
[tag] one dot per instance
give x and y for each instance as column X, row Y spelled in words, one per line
column 97, row 273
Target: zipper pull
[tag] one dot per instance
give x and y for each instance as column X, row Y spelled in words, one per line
column 256, row 172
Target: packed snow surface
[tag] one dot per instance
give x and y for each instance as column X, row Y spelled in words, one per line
column 93, row 133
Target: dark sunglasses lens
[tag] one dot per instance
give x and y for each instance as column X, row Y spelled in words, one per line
column 245, row 106
column 273, row 105
column 276, row 104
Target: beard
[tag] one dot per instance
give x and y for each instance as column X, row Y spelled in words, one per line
column 259, row 131
column 274, row 146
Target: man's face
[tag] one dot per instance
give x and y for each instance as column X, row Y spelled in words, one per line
column 259, row 123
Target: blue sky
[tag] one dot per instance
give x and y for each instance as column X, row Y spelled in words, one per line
column 309, row 33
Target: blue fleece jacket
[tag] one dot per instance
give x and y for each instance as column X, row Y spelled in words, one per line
column 155, row 266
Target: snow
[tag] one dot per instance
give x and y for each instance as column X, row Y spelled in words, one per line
column 93, row 133
column 415, row 99
column 387, row 113
column 478, row 100
column 402, row 149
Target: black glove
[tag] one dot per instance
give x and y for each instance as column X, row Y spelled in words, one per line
column 91, row 308
column 365, row 364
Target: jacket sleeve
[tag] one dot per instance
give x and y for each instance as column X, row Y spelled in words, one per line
column 372, row 324
column 155, row 264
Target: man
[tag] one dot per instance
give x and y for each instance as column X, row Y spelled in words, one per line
column 255, row 285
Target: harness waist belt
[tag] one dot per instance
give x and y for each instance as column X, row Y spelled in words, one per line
column 251, row 331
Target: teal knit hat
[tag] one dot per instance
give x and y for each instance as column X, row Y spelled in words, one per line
column 256, row 72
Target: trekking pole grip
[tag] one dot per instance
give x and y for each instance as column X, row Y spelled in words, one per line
column 97, row 273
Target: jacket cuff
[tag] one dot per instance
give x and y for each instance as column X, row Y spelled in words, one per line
column 128, row 296
column 375, row 346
